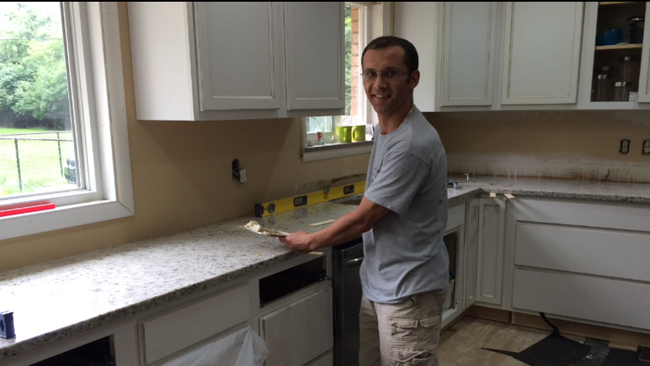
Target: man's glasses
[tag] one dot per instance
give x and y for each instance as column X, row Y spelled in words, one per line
column 389, row 74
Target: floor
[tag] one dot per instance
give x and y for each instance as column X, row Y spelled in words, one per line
column 463, row 343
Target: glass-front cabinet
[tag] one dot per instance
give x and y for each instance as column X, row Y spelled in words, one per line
column 615, row 56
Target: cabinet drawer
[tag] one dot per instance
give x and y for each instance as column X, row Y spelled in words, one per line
column 583, row 297
column 584, row 250
column 455, row 217
column 169, row 332
column 299, row 332
column 612, row 215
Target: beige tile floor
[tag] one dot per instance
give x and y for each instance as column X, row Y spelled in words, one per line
column 463, row 343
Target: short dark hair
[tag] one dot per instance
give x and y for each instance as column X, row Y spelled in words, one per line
column 410, row 53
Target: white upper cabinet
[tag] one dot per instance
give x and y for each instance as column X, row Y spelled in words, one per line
column 492, row 56
column 413, row 21
column 468, row 55
column 541, row 52
column 315, row 55
column 227, row 61
column 608, row 59
column 240, row 55
column 162, row 66
column 601, row 94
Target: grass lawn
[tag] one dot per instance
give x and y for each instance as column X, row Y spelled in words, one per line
column 40, row 167
column 4, row 130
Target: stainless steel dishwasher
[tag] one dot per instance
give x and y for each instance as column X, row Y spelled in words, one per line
column 346, row 259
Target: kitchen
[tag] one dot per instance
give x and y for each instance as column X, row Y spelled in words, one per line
column 182, row 180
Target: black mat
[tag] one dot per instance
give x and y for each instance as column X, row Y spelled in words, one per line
column 556, row 350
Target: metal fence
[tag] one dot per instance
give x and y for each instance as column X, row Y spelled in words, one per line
column 33, row 161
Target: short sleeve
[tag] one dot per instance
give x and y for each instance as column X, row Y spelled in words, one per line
column 397, row 180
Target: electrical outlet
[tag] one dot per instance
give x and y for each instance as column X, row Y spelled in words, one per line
column 646, row 148
column 624, row 147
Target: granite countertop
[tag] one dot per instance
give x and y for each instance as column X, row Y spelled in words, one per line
column 92, row 289
column 551, row 188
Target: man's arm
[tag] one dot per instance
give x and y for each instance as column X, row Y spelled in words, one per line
column 347, row 227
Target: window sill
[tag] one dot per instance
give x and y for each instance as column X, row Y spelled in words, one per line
column 316, row 153
column 61, row 218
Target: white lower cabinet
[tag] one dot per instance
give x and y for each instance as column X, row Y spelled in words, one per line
column 184, row 326
column 586, row 260
column 454, row 241
column 301, row 332
column 603, row 300
column 471, row 251
column 491, row 232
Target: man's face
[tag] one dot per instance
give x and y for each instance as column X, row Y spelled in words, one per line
column 386, row 96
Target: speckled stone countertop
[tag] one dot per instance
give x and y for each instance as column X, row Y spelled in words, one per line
column 552, row 188
column 93, row 289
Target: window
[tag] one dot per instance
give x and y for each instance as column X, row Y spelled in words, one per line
column 36, row 134
column 64, row 64
column 323, row 135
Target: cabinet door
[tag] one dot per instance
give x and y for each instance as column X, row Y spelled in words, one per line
column 468, row 54
column 300, row 332
column 490, row 250
column 314, row 34
column 192, row 323
column 644, row 80
column 418, row 22
column 471, row 251
column 239, row 47
column 541, row 53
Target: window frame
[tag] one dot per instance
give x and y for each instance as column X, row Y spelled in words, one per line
column 374, row 17
column 96, row 77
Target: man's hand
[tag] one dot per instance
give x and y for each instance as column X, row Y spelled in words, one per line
column 347, row 227
column 298, row 241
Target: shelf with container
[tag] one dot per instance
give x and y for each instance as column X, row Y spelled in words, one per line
column 616, row 54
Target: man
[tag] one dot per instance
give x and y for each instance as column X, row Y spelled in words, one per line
column 402, row 217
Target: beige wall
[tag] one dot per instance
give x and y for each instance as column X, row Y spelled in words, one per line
column 181, row 170
column 182, row 177
column 595, row 133
column 553, row 144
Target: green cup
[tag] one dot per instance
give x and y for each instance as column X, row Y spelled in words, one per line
column 345, row 134
column 358, row 133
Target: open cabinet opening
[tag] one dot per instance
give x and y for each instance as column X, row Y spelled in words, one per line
column 98, row 353
column 619, row 43
column 291, row 280
column 451, row 242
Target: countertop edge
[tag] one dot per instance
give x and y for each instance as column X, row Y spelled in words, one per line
column 107, row 318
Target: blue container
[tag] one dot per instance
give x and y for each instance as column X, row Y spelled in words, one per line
column 610, row 37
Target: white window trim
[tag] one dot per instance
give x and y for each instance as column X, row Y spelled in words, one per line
column 376, row 17
column 109, row 193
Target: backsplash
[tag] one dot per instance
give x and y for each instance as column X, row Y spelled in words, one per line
column 576, row 145
column 548, row 166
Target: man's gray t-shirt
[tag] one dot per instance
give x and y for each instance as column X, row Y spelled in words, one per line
column 404, row 253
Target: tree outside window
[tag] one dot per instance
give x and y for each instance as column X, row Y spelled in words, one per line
column 36, row 136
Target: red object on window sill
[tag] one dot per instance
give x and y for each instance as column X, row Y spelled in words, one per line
column 27, row 209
